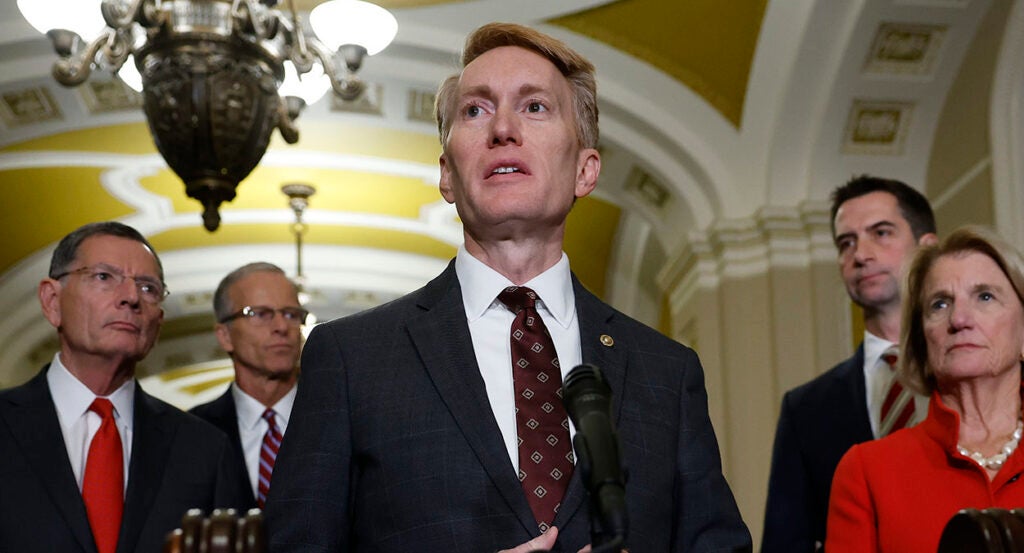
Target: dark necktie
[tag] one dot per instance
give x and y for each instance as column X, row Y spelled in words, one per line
column 898, row 406
column 103, row 483
column 542, row 426
column 268, row 454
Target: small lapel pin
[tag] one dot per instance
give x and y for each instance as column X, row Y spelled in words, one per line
column 607, row 340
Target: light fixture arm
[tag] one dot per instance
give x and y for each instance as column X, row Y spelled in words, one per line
column 146, row 12
column 246, row 20
column 75, row 63
column 347, row 85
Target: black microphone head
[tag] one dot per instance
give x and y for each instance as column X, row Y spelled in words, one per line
column 585, row 389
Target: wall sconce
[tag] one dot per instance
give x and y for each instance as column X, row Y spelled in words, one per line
column 211, row 71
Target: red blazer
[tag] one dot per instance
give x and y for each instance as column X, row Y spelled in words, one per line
column 896, row 494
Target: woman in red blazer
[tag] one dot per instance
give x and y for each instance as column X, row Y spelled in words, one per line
column 963, row 343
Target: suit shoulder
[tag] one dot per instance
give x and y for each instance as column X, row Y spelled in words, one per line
column 215, row 408
column 648, row 338
column 26, row 391
column 823, row 387
column 188, row 425
column 384, row 317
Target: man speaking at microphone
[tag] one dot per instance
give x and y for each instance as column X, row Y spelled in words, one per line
column 434, row 423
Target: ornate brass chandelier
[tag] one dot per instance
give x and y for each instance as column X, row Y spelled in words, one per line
column 211, row 70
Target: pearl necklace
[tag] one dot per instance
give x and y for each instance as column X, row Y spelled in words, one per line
column 996, row 461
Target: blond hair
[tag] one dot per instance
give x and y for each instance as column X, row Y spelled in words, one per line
column 914, row 370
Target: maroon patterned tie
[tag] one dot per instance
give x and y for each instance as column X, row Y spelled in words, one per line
column 545, row 454
column 898, row 406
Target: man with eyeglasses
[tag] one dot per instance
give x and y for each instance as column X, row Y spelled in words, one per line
column 258, row 324
column 90, row 462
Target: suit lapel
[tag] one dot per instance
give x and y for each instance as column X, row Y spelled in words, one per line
column 34, row 425
column 441, row 336
column 151, row 447
column 225, row 417
column 860, row 418
column 596, row 328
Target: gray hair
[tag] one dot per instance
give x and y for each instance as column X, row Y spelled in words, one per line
column 222, row 307
column 67, row 250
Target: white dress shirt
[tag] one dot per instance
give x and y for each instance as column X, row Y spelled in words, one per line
column 490, row 325
column 877, row 379
column 252, row 426
column 78, row 424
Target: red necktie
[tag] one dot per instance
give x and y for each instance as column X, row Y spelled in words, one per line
column 898, row 406
column 268, row 454
column 103, row 483
column 542, row 426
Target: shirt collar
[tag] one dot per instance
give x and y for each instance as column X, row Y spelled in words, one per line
column 250, row 410
column 874, row 347
column 482, row 284
column 72, row 398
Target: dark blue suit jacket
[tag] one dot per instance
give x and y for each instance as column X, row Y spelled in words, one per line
column 392, row 445
column 222, row 414
column 178, row 462
column 819, row 421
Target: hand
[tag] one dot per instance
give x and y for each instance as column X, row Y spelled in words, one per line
column 543, row 542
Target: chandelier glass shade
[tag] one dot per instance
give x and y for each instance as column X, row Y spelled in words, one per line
column 213, row 72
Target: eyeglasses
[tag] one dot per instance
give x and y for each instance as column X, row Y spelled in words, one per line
column 107, row 279
column 261, row 314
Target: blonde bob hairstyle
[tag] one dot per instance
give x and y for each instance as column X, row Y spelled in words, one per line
column 914, row 369
column 574, row 67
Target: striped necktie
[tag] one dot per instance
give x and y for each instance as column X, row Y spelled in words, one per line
column 898, row 406
column 268, row 454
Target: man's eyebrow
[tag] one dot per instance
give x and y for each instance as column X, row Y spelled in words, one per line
column 885, row 223
column 882, row 223
column 484, row 90
column 480, row 90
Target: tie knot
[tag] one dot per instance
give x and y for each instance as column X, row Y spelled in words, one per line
column 891, row 355
column 268, row 416
column 102, row 407
column 517, row 298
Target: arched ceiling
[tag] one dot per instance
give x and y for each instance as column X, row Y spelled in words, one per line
column 711, row 112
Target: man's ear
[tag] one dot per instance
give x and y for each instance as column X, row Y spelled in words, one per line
column 588, row 169
column 928, row 239
column 223, row 337
column 49, row 299
column 445, row 184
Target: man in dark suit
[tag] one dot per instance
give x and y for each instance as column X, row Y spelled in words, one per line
column 410, row 430
column 92, row 463
column 259, row 319
column 877, row 225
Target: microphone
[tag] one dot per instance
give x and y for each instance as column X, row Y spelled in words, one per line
column 588, row 400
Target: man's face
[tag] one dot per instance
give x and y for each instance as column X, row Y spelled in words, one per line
column 512, row 159
column 267, row 349
column 97, row 318
column 873, row 242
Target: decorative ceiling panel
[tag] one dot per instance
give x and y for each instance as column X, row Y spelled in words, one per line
column 27, row 106
column 905, row 49
column 877, row 127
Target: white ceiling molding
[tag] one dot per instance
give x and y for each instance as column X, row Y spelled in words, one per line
column 1006, row 124
column 777, row 237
